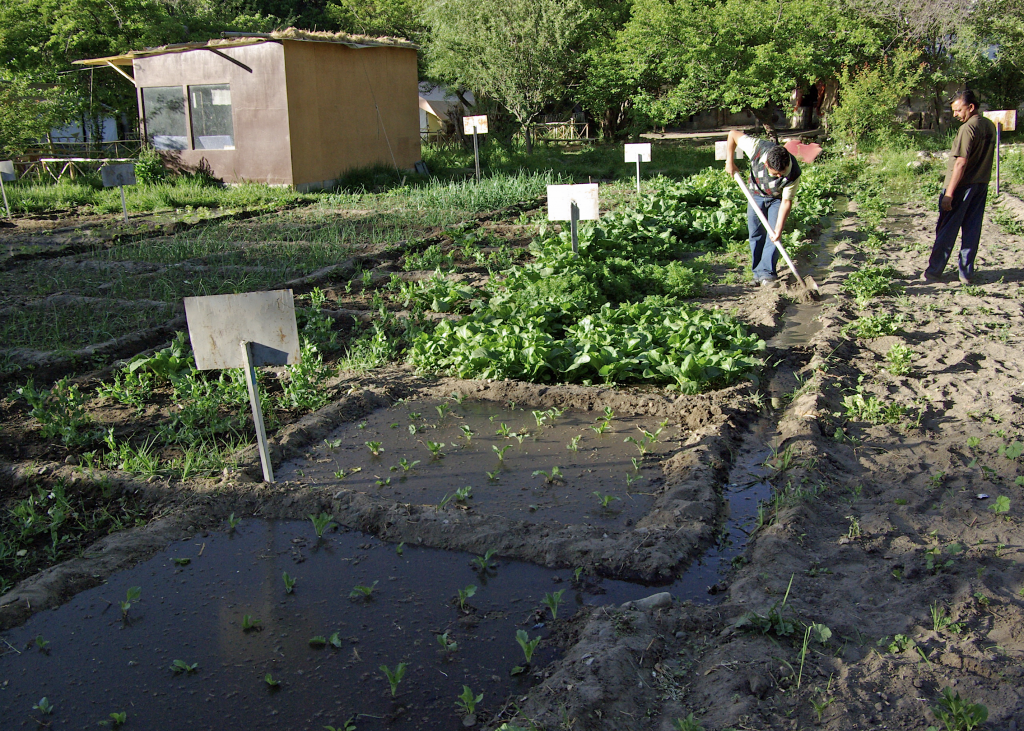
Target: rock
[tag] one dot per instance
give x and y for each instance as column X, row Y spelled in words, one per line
column 469, row 720
column 71, row 459
column 759, row 685
column 655, row 601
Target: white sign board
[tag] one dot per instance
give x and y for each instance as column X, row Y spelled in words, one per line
column 639, row 152
column 561, row 198
column 219, row 323
column 721, row 151
column 1005, row 117
column 116, row 175
column 7, row 171
column 477, row 124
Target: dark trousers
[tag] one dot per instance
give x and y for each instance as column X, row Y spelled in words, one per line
column 966, row 217
column 763, row 254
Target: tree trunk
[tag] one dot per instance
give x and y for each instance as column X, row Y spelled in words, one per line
column 529, row 140
column 766, row 122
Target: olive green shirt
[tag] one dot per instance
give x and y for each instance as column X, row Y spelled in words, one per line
column 976, row 142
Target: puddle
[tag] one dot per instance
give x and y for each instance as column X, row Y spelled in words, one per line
column 800, row 321
column 600, row 462
column 98, row 665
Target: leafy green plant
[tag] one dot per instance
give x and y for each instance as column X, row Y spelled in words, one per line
column 503, row 430
column 550, row 477
column 485, row 562
column 394, row 676
column 375, row 448
column 501, row 452
column 250, row 624
column 41, row 644
column 321, row 523
column 271, row 683
column 180, row 666
column 879, row 325
column 44, row 706
column 529, row 646
column 435, row 449
column 348, row 725
column 60, row 412
column 605, row 500
column 318, row 641
column 822, row 634
column 463, row 494
column 936, row 561
column 406, row 465
column 115, row 720
column 574, row 444
column 900, row 357
column 466, row 702
column 552, row 600
column 233, row 522
column 959, row 714
column 360, row 591
column 131, row 597
column 687, row 724
column 873, row 409
column 464, row 594
column 448, row 646
column 289, row 582
column 872, row 281
column 1001, row 506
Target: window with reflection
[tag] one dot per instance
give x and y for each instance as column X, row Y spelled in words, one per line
column 212, row 128
column 163, row 108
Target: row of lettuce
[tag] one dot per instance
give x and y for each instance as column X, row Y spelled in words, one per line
column 616, row 312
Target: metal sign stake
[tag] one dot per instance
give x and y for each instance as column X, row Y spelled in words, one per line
column 573, row 220
column 257, row 412
column 638, row 175
column 124, row 205
column 998, row 134
column 476, row 154
column 3, row 189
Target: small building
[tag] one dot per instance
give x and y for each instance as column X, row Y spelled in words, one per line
column 292, row 107
column 441, row 112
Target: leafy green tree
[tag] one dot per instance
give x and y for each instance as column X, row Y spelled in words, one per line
column 27, row 112
column 397, row 18
column 522, row 53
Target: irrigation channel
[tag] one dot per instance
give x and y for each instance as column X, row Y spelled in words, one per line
column 366, row 602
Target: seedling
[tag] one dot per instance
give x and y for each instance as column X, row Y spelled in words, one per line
column 43, row 706
column 637, row 462
column 249, row 624
column 630, row 479
column 181, row 561
column 131, row 597
column 394, row 676
column 936, row 480
column 335, row 640
column 413, row 429
column 1001, row 505
column 116, row 720
column 600, row 428
column 941, row 621
column 934, row 560
column 349, row 725
column 457, row 397
column 400, row 548
column 605, row 500
column 503, row 430
column 360, row 591
column 180, row 666
column 375, row 448
column 289, row 582
column 973, row 442
column 467, row 701
column 435, row 449
column 609, row 414
column 321, row 523
column 552, row 600
column 406, row 465
column 233, row 522
column 442, row 411
column 332, row 443
column 520, row 436
column 465, row 594
column 383, row 482
column 493, row 476
column 574, row 444
column 269, row 680
column 447, row 646
column 466, row 432
column 820, row 706
column 640, row 444
column 540, row 416
column 687, row 724
column 900, row 357
column 484, row 563
column 577, row 573
column 501, row 452
column 550, row 477
column 444, row 501
column 318, row 641
column 463, row 494
column 41, row 644
column 554, row 412
column 529, row 646
column 958, row 714
column 342, row 474
column 853, row 532
column 821, row 634
column 361, row 425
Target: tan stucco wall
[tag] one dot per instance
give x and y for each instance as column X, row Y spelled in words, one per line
column 259, row 107
column 334, row 124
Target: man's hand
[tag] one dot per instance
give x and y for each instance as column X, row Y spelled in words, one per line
column 730, row 166
column 947, row 203
column 776, row 235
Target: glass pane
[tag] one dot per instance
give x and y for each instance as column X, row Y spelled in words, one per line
column 164, row 111
column 211, row 117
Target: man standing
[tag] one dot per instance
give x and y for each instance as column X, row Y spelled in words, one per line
column 774, row 176
column 962, row 201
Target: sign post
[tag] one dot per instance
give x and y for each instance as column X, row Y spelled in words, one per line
column 119, row 175
column 1004, row 120
column 573, row 203
column 263, row 325
column 476, row 125
column 6, row 176
column 639, row 153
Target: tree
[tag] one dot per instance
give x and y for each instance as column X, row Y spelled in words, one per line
column 522, row 53
column 398, row 18
column 27, row 112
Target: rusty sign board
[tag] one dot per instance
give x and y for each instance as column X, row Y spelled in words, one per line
column 219, row 323
column 475, row 124
column 1005, row 117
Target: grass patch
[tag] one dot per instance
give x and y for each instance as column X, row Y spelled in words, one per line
column 68, row 326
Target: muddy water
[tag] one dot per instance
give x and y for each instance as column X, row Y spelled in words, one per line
column 98, row 664
column 600, row 462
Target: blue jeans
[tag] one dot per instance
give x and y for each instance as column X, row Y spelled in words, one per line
column 763, row 254
column 966, row 216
